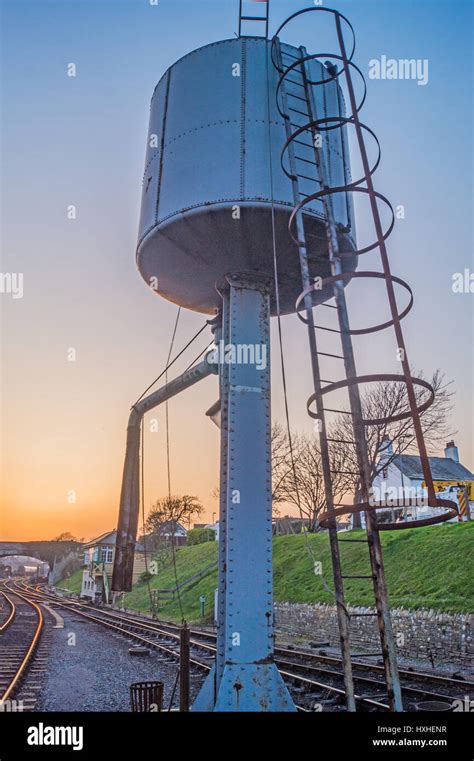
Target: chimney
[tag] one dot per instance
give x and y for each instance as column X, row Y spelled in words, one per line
column 451, row 451
column 386, row 448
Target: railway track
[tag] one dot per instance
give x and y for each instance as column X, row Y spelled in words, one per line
column 22, row 651
column 315, row 680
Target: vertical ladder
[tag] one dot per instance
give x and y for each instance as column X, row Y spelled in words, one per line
column 249, row 16
column 298, row 100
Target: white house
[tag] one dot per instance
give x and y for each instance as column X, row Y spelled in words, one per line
column 402, row 477
column 172, row 532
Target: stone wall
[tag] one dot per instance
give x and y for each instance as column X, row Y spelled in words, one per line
column 440, row 640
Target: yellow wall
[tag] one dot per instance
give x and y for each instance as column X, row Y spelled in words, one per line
column 443, row 485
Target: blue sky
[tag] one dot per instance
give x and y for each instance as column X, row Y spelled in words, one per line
column 82, row 141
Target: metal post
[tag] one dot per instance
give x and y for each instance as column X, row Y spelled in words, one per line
column 250, row 680
column 221, row 586
column 184, row 668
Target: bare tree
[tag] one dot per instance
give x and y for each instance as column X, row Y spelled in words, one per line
column 282, row 468
column 384, row 400
column 298, row 475
column 66, row 536
column 168, row 512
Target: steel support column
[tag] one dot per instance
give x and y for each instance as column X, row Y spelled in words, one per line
column 221, row 581
column 206, row 699
column 250, row 680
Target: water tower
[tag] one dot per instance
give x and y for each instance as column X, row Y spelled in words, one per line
column 235, row 221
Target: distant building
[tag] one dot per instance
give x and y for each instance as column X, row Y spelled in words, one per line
column 98, row 566
column 403, row 475
column 5, row 570
column 174, row 533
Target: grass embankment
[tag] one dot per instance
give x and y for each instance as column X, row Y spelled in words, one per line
column 73, row 583
column 425, row 568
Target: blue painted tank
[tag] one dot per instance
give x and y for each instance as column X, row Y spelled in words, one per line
column 207, row 191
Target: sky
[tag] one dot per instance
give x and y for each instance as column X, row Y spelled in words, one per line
column 81, row 140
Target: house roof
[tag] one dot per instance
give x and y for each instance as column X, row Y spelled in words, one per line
column 108, row 538
column 442, row 468
column 171, row 526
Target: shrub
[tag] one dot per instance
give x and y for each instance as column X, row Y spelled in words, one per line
column 200, row 535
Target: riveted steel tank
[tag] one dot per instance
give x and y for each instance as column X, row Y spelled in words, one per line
column 212, row 168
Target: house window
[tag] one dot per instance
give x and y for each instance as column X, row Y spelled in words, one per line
column 107, row 554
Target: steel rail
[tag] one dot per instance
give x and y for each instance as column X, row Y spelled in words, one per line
column 170, row 629
column 30, row 651
column 11, row 615
column 204, row 666
column 283, row 664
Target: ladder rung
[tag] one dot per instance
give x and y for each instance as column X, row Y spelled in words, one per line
column 313, row 179
column 292, row 81
column 299, row 126
column 307, row 161
column 298, row 97
column 300, row 142
column 253, row 18
column 300, row 84
column 341, row 412
column 297, row 111
column 365, row 655
column 289, row 55
column 338, row 441
column 331, row 330
column 325, row 354
column 329, row 306
column 358, row 577
column 354, row 541
column 361, row 615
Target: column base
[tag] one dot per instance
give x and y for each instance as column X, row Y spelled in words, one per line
column 206, row 698
column 253, row 687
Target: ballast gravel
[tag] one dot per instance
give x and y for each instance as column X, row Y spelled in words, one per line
column 90, row 669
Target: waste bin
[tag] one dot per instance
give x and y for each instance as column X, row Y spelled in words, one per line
column 146, row 697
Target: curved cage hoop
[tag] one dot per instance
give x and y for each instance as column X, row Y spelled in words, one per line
column 450, row 511
column 344, row 276
column 376, row 378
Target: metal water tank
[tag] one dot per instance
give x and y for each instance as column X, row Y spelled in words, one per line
column 210, row 145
